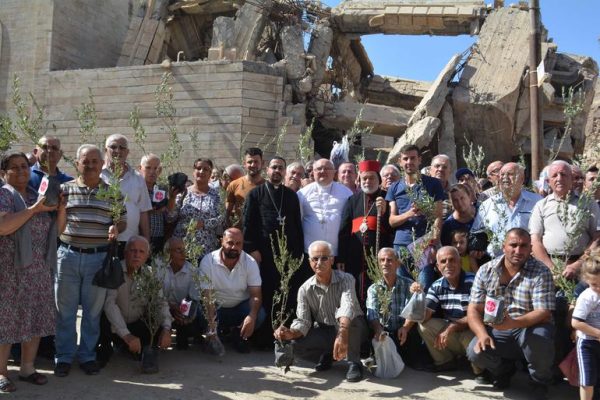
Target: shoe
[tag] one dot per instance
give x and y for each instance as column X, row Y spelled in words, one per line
column 182, row 345
column 354, row 373
column 483, row 378
column 539, row 391
column 6, row 385
column 90, row 367
column 62, row 369
column 325, row 362
column 501, row 382
column 36, row 378
column 241, row 345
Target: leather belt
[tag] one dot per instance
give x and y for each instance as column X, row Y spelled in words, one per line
column 89, row 250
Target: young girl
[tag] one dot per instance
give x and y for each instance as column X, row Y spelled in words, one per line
column 459, row 240
column 586, row 320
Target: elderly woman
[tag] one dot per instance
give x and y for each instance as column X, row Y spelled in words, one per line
column 200, row 204
column 27, row 259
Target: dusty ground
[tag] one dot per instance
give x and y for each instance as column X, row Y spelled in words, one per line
column 193, row 374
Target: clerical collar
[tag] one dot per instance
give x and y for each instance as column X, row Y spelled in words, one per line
column 274, row 185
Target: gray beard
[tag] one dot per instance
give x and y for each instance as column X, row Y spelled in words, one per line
column 367, row 190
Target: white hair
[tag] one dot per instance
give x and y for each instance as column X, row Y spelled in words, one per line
column 137, row 238
column 149, row 157
column 114, row 138
column 230, row 169
column 395, row 169
column 388, row 250
column 320, row 243
column 88, row 147
column 293, row 165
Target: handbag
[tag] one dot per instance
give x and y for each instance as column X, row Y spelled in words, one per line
column 110, row 276
column 389, row 362
column 570, row 368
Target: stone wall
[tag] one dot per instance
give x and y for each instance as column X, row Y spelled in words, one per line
column 219, row 100
column 88, row 33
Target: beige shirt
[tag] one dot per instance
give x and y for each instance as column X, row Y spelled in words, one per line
column 122, row 307
column 555, row 221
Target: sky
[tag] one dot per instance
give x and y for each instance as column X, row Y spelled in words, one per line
column 573, row 24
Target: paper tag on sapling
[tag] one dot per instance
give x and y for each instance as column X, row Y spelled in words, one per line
column 493, row 310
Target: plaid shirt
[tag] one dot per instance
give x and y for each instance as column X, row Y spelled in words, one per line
column 532, row 288
column 400, row 296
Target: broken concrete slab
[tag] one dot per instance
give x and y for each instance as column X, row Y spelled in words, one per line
column 318, row 52
column 386, row 121
column 250, row 22
column 396, row 92
column 409, row 17
column 419, row 134
column 292, row 42
column 447, row 140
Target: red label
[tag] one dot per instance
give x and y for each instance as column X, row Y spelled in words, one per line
column 43, row 186
column 490, row 306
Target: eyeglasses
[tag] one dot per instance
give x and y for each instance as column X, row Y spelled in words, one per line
column 321, row 258
column 321, row 169
column 117, row 147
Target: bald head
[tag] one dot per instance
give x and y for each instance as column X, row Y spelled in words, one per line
column 323, row 171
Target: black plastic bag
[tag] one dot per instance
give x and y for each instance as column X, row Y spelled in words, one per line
column 110, row 276
column 284, row 355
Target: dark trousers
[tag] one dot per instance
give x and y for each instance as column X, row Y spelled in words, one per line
column 414, row 352
column 535, row 344
column 195, row 328
column 320, row 340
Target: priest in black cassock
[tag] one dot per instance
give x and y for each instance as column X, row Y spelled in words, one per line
column 359, row 226
column 268, row 207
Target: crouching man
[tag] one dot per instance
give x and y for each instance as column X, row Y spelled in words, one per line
column 407, row 340
column 330, row 324
column 445, row 329
column 527, row 331
column 235, row 278
column 124, row 308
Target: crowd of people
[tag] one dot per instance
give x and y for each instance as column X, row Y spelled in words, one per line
column 508, row 273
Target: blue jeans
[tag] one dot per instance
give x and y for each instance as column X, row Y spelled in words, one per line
column 234, row 316
column 73, row 286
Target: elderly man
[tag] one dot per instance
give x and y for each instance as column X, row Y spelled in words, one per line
column 230, row 174
column 48, row 154
column 445, row 329
column 441, row 168
column 359, row 228
column 238, row 189
column 408, row 343
column 407, row 219
column 179, row 287
column 329, row 322
column 321, row 205
column 235, row 278
column 346, row 175
column 510, row 208
column 525, row 285
column 493, row 174
column 125, row 309
column 85, row 229
column 271, row 208
column 294, row 174
column 132, row 186
column 563, row 224
column 389, row 174
column 150, row 169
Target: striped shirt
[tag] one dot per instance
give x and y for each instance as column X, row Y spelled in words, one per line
column 325, row 304
column 88, row 217
column 532, row 288
column 451, row 302
column 400, row 296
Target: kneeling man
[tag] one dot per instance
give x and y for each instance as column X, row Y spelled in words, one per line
column 330, row 324
column 235, row 278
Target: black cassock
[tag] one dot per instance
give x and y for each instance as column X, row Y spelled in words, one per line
column 264, row 208
column 353, row 243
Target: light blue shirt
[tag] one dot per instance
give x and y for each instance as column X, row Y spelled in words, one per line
column 496, row 216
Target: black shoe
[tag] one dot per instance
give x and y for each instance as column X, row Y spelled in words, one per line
column 182, row 345
column 241, row 346
column 502, row 381
column 483, row 378
column 354, row 373
column 539, row 391
column 62, row 369
column 90, row 367
column 325, row 362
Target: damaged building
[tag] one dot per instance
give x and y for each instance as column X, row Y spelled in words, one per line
column 245, row 69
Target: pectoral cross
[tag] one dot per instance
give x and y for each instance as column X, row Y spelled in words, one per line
column 281, row 220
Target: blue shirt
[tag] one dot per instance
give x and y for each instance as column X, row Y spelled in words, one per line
column 450, row 225
column 399, row 298
column 451, row 303
column 36, row 176
column 399, row 193
column 496, row 216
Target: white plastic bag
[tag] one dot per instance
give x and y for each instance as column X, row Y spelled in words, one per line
column 389, row 362
column 415, row 308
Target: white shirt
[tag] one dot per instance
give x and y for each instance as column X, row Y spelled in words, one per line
column 321, row 208
column 137, row 199
column 178, row 286
column 231, row 286
column 587, row 309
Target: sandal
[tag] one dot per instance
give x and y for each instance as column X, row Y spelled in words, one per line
column 6, row 385
column 36, row 378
